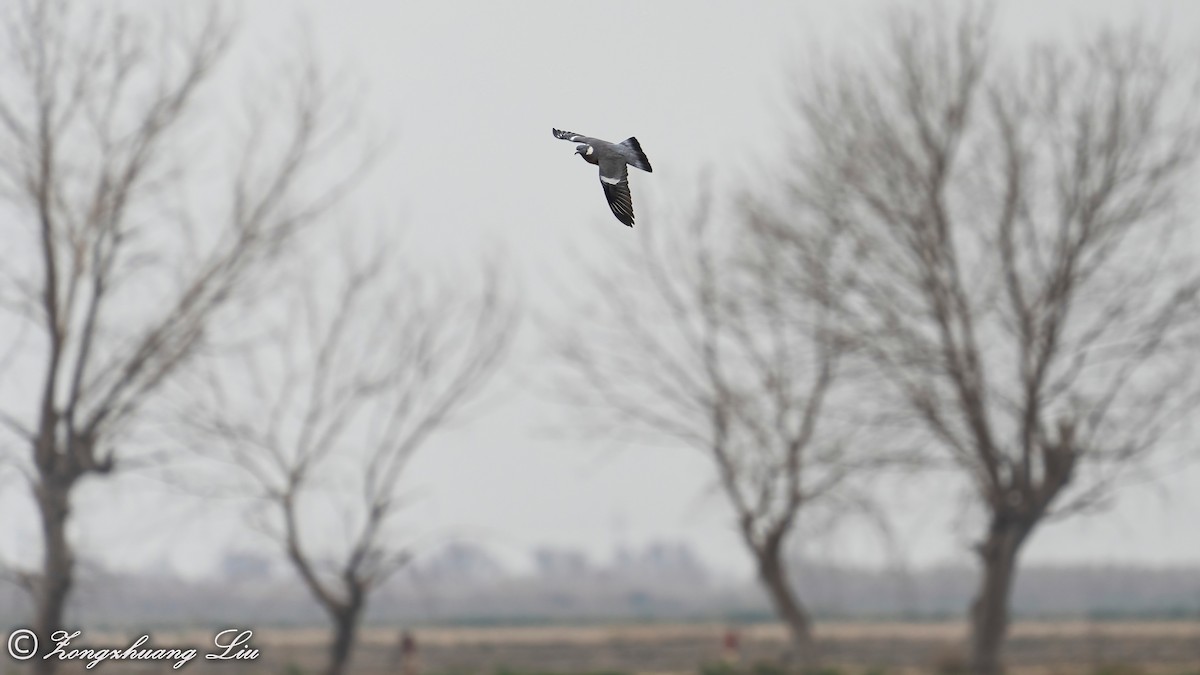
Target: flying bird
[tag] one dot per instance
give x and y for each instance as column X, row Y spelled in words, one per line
column 614, row 160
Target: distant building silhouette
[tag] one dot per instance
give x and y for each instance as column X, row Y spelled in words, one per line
column 242, row 566
column 459, row 562
column 555, row 563
column 660, row 561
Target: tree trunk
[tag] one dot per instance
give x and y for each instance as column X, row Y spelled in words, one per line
column 989, row 611
column 58, row 565
column 787, row 606
column 345, row 631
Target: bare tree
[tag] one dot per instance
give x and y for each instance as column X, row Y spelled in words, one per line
column 694, row 336
column 122, row 243
column 325, row 416
column 1004, row 240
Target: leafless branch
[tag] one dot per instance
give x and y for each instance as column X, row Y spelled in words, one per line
column 114, row 294
column 368, row 363
column 1005, row 245
column 696, row 336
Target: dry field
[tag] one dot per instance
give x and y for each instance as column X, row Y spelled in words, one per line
column 1037, row 648
column 853, row 646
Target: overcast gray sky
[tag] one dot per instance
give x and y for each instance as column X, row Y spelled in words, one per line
column 471, row 90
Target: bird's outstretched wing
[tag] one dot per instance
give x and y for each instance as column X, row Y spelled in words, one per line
column 614, row 176
column 573, row 137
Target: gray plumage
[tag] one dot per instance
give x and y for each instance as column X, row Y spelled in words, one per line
column 614, row 160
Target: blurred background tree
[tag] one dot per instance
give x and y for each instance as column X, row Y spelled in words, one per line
column 1003, row 235
column 132, row 225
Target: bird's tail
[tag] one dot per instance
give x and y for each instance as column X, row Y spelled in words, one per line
column 639, row 158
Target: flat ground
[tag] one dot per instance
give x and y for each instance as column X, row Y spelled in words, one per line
column 1035, row 648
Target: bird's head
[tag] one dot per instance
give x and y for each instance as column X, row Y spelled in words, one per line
column 584, row 150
